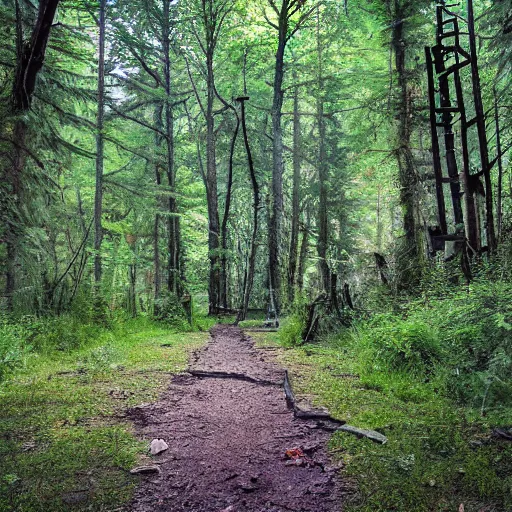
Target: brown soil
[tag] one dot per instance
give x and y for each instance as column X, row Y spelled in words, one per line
column 228, row 437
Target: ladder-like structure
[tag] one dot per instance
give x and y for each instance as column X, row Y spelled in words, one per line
column 445, row 61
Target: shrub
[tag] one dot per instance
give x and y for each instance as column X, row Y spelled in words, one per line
column 169, row 309
column 292, row 327
column 13, row 347
column 461, row 336
column 392, row 343
column 99, row 359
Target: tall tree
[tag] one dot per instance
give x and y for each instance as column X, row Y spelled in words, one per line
column 286, row 27
column 212, row 14
column 100, row 144
column 30, row 57
column 323, row 166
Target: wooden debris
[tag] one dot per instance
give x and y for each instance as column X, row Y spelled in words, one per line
column 232, row 375
column 145, row 470
column 374, row 436
column 314, row 414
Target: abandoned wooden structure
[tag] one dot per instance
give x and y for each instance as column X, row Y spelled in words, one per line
column 471, row 223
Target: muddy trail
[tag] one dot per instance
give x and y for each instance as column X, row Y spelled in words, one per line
column 228, row 428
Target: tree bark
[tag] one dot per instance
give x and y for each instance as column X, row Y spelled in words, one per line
column 304, row 247
column 256, row 205
column 323, row 171
column 482, row 136
column 224, row 227
column 274, row 232
column 294, row 236
column 407, row 260
column 98, row 196
column 173, row 227
column 30, row 60
column 499, row 199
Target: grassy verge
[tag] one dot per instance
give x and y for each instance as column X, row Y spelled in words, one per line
column 439, row 455
column 64, row 441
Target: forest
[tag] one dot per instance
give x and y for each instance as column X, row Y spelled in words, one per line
column 296, row 201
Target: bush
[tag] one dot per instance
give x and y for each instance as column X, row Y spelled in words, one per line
column 13, row 347
column 64, row 333
column 392, row 343
column 169, row 309
column 460, row 336
column 99, row 359
column 292, row 327
column 478, row 330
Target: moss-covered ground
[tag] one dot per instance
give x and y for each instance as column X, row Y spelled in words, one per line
column 439, row 456
column 65, row 442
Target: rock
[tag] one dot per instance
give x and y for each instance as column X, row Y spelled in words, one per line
column 145, row 470
column 158, row 446
column 374, row 436
column 295, row 462
column 247, row 487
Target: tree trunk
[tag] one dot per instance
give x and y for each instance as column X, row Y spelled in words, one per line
column 211, row 180
column 274, row 234
column 323, row 172
column 303, row 255
column 256, row 205
column 173, row 228
column 156, row 224
column 225, row 219
column 98, row 196
column 30, row 60
column 482, row 136
column 407, row 260
column 294, row 236
column 499, row 200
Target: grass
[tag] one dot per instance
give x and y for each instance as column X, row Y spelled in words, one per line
column 65, row 443
column 438, row 456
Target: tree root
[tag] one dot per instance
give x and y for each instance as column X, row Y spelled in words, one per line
column 231, row 375
column 314, row 414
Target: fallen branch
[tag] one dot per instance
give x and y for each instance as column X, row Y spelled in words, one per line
column 314, row 414
column 230, row 375
column 374, row 436
column 259, row 329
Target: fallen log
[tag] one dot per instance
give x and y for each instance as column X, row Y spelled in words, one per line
column 231, row 375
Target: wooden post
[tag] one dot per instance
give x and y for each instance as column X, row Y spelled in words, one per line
column 438, row 170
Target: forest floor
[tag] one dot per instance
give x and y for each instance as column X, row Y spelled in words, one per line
column 228, row 432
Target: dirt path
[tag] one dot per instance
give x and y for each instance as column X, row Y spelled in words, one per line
column 228, row 437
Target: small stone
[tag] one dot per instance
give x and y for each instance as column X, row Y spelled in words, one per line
column 295, row 462
column 248, row 487
column 158, row 446
column 145, row 470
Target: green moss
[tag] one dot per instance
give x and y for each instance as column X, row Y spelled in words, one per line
column 64, row 442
